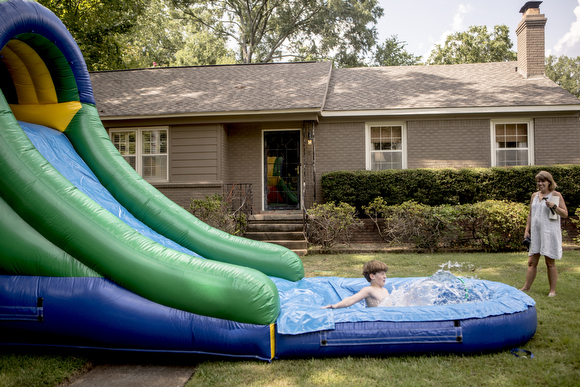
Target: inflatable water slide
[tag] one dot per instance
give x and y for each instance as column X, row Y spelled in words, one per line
column 92, row 256
column 60, row 242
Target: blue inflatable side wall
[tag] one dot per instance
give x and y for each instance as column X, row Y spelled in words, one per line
column 475, row 335
column 95, row 313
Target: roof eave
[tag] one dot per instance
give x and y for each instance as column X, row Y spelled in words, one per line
column 214, row 114
column 456, row 110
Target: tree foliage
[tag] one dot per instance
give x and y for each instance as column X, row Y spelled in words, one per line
column 392, row 53
column 476, row 45
column 565, row 71
column 164, row 37
column 154, row 40
column 96, row 24
column 265, row 30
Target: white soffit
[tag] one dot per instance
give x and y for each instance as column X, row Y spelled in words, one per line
column 215, row 114
column 438, row 111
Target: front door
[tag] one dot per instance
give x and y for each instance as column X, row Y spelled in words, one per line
column 282, row 169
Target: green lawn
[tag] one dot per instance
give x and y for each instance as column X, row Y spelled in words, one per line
column 556, row 345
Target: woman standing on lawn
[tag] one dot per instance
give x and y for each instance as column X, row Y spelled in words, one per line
column 543, row 226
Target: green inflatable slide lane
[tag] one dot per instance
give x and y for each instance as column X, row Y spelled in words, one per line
column 164, row 216
column 64, row 218
column 36, row 255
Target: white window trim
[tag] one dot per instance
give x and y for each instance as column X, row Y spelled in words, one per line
column 368, row 149
column 528, row 121
column 139, row 147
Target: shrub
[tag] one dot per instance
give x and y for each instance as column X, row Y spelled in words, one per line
column 329, row 224
column 376, row 211
column 214, row 211
column 436, row 187
column 577, row 223
column 493, row 225
column 423, row 226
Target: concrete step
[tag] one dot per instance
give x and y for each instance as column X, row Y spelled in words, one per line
column 301, row 252
column 292, row 245
column 274, row 227
column 281, row 228
column 278, row 218
column 274, row 236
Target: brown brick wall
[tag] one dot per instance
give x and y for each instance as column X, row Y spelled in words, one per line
column 455, row 143
column 182, row 194
column 557, row 141
column 448, row 143
column 338, row 147
column 571, row 231
column 531, row 45
column 244, row 158
column 367, row 234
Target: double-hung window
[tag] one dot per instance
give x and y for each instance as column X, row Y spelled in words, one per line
column 511, row 143
column 145, row 149
column 386, row 146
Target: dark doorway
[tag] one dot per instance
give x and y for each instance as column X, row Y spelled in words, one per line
column 282, row 169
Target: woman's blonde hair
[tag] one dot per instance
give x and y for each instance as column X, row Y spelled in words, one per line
column 373, row 267
column 547, row 176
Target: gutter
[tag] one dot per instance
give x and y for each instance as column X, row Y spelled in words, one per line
column 441, row 111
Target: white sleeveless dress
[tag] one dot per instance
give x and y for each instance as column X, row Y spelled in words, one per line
column 546, row 233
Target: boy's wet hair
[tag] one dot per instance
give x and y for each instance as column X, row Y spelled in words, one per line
column 373, row 267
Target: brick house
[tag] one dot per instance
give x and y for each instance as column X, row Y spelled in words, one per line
column 278, row 127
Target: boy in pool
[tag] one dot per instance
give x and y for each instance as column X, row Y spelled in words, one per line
column 375, row 294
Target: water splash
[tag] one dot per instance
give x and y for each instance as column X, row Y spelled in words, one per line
column 442, row 288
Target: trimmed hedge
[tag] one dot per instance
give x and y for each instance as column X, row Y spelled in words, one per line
column 435, row 187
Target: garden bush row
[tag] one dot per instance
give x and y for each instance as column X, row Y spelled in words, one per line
column 491, row 225
column 214, row 211
column 435, row 187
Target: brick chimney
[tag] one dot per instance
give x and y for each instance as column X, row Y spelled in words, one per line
column 531, row 42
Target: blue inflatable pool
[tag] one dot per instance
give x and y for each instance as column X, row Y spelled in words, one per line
column 96, row 313
column 92, row 256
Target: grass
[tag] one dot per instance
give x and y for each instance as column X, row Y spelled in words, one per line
column 556, row 345
column 28, row 369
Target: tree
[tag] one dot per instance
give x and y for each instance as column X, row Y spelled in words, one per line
column 565, row 72
column 475, row 45
column 96, row 24
column 163, row 37
column 154, row 40
column 203, row 48
column 265, row 30
column 393, row 53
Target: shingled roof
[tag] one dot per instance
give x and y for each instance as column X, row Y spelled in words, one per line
column 442, row 86
column 211, row 89
column 283, row 87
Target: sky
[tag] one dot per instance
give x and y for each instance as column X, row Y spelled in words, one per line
column 423, row 23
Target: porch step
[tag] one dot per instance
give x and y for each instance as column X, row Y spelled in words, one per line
column 284, row 229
